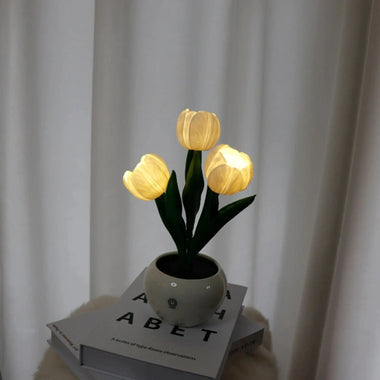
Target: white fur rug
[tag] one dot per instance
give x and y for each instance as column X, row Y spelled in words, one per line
column 258, row 365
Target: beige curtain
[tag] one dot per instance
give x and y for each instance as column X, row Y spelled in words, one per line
column 88, row 87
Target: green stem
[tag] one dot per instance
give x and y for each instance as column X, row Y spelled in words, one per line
column 192, row 191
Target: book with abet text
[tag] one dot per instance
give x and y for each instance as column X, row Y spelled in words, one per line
column 67, row 334
column 132, row 341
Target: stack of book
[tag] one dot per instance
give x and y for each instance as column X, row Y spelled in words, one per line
column 127, row 340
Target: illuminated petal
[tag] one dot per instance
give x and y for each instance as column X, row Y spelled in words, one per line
column 198, row 130
column 129, row 183
column 214, row 159
column 227, row 170
column 149, row 179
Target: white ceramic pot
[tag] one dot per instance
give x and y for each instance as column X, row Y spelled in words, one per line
column 180, row 301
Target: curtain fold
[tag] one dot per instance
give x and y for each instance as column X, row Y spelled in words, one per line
column 46, row 56
column 351, row 346
column 88, row 87
column 332, row 188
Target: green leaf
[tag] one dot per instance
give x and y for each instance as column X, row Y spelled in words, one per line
column 160, row 203
column 169, row 206
column 205, row 222
column 193, row 188
column 212, row 222
column 230, row 211
column 189, row 158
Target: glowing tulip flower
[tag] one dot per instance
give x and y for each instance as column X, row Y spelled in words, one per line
column 227, row 170
column 198, row 130
column 149, row 179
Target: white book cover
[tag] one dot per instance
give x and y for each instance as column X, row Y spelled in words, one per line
column 80, row 372
column 132, row 341
column 70, row 331
column 66, row 335
column 246, row 336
